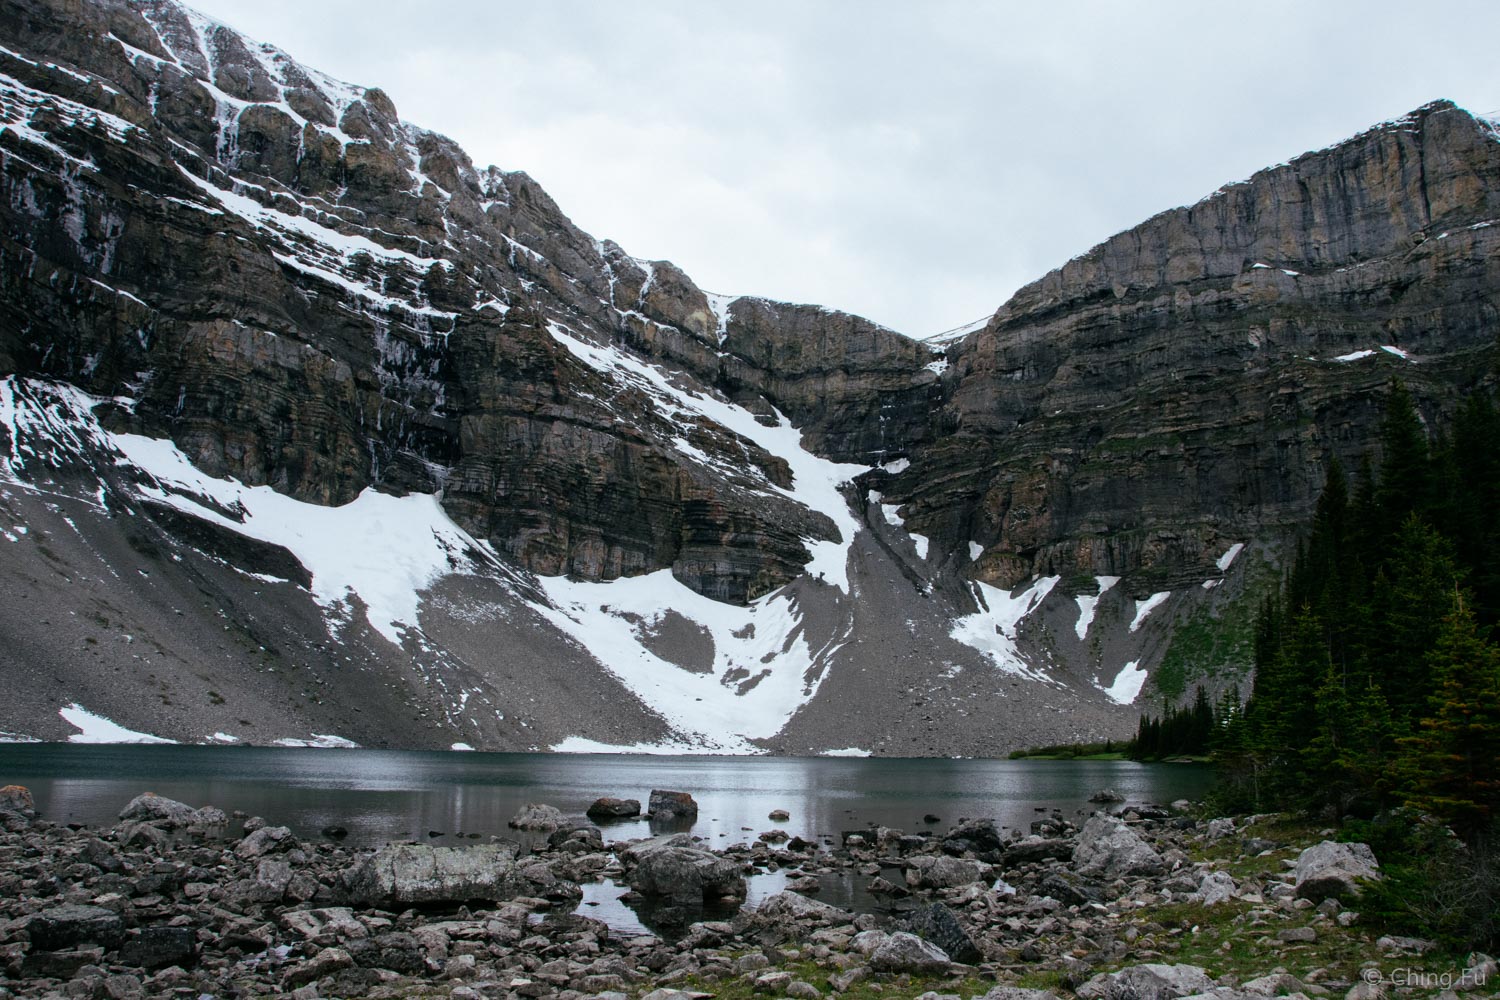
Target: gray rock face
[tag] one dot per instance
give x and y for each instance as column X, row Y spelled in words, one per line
column 408, row 874
column 1333, row 869
column 1108, row 848
column 1126, row 369
column 904, row 952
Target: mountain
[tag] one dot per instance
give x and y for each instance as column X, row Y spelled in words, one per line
column 313, row 431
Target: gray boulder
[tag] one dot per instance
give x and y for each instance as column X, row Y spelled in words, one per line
column 1333, row 869
column 797, row 907
column 1216, row 888
column 159, row 810
column 686, row 875
column 537, row 816
column 1018, row 993
column 943, row 872
column 266, row 840
column 418, row 873
column 1148, row 982
column 1108, row 848
column 904, row 952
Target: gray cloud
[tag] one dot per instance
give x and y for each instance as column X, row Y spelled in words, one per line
column 914, row 163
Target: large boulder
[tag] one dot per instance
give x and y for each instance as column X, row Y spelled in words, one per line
column 903, row 952
column 686, row 875
column 979, row 835
column 1108, row 848
column 939, row 925
column 672, row 805
column 608, row 808
column 17, row 799
column 1216, row 888
column 793, row 906
column 1034, row 849
column 418, row 873
column 1018, row 993
column 1333, row 869
column 159, row 947
column 72, row 924
column 1147, row 982
column 537, row 816
column 941, row 872
column 159, row 811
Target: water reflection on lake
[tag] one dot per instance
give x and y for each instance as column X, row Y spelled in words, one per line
column 386, row 795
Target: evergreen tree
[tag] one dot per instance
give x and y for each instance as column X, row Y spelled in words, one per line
column 1452, row 762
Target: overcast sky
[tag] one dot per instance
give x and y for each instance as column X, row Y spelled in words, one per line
column 915, row 163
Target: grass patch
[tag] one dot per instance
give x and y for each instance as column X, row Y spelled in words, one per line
column 877, row 987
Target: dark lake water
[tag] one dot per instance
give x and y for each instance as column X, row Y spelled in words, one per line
column 388, row 795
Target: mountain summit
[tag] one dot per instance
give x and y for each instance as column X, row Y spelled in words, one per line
column 315, row 432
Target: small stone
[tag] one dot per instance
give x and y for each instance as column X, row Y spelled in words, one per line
column 779, row 816
column 1305, row 935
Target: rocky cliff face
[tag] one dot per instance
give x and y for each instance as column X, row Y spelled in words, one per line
column 738, row 523
column 1184, row 384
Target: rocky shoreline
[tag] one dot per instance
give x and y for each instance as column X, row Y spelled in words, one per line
column 1149, row 904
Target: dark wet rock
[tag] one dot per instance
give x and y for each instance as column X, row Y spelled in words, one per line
column 938, row 924
column 1070, row 889
column 159, row 947
column 672, row 805
column 63, row 927
column 335, row 832
column 1106, row 796
column 576, row 839
column 609, row 808
column 1034, row 849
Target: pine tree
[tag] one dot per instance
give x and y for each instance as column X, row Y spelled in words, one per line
column 1452, row 762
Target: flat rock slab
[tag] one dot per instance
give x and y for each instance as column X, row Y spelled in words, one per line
column 418, row 873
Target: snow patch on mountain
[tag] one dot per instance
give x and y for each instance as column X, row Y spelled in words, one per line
column 764, row 666
column 1144, row 608
column 992, row 629
column 1127, row 684
column 1087, row 603
column 97, row 729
